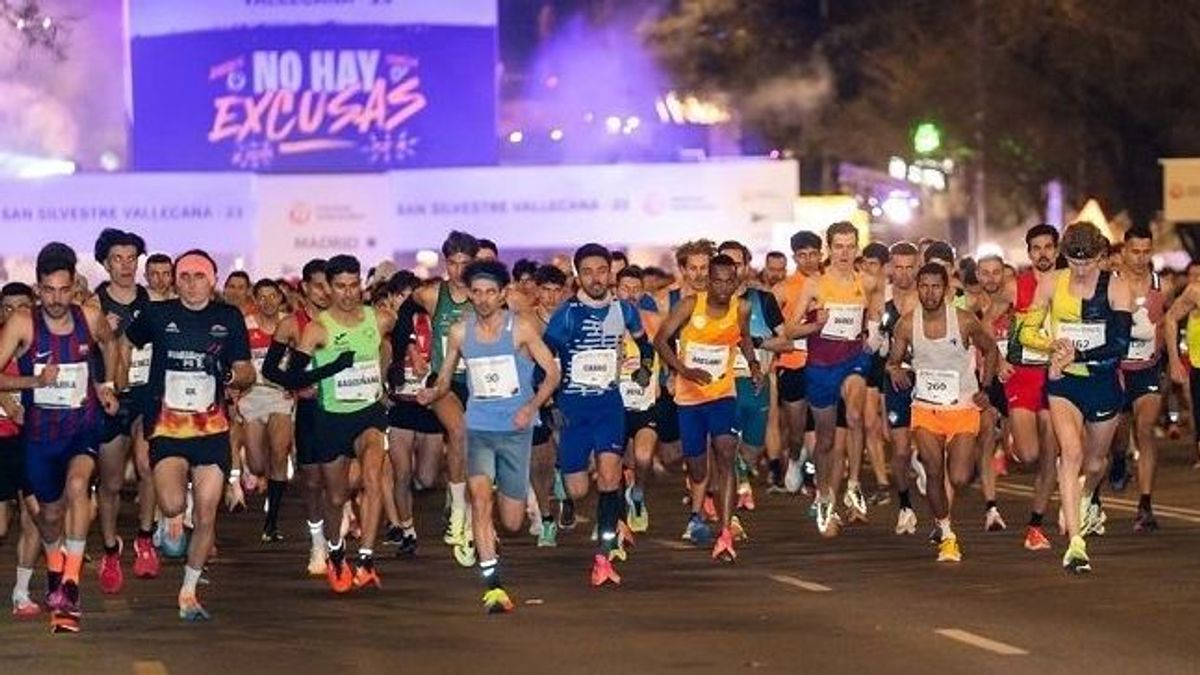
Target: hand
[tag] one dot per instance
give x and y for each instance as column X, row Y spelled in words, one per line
column 1063, row 351
column 981, row 400
column 108, row 400
column 251, row 483
column 1004, row 372
column 700, row 377
column 235, row 500
column 396, row 378
column 641, row 376
column 113, row 321
column 822, row 317
column 427, row 396
column 17, row 414
column 756, row 376
column 524, row 417
column 901, row 379
column 48, row 375
column 1179, row 372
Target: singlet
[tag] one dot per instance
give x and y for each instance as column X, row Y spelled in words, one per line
column 422, row 337
column 446, row 313
column 359, row 386
column 499, row 377
column 1081, row 321
column 9, row 428
column 1191, row 338
column 68, row 407
column 1019, row 354
column 1148, row 311
column 708, row 343
column 633, row 395
column 588, row 340
column 260, row 342
column 944, row 367
column 788, row 293
column 841, row 338
column 139, row 359
column 887, row 327
column 759, row 328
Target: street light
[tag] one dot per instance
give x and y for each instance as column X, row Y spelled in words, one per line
column 927, row 138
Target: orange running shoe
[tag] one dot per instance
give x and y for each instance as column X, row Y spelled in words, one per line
column 145, row 561
column 723, row 549
column 111, row 576
column 365, row 575
column 1035, row 539
column 603, row 572
column 340, row 576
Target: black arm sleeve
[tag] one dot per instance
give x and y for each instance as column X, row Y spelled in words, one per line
column 1116, row 340
column 296, row 377
column 645, row 347
column 271, row 370
column 771, row 311
column 402, row 334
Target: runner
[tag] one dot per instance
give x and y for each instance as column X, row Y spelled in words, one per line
column 586, row 333
column 875, row 263
column 946, row 395
column 544, row 478
column 121, row 300
column 500, row 349
column 775, row 269
column 710, row 326
column 237, row 291
column 994, row 307
column 200, row 349
column 266, row 409
column 837, row 367
column 1090, row 318
column 160, row 277
column 1183, row 320
column 1142, row 373
column 898, row 402
column 351, row 421
column 641, row 406
column 53, row 346
column 1033, row 438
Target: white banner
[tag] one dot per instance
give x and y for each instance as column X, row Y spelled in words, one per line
column 163, row 17
column 1181, row 190
column 319, row 216
column 626, row 204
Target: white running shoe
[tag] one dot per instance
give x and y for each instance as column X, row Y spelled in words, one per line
column 856, row 502
column 316, row 562
column 906, row 522
column 793, row 480
column 992, row 522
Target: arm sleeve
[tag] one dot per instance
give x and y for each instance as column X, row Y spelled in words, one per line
column 1031, row 334
column 771, row 311
column 1116, row 340
column 296, row 377
column 402, row 334
column 633, row 320
column 271, row 370
column 138, row 330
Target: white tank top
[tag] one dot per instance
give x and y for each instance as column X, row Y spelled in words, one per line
column 944, row 367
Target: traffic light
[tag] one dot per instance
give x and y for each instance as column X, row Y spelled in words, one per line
column 927, row 138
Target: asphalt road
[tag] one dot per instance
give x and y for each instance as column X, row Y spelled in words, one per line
column 867, row 602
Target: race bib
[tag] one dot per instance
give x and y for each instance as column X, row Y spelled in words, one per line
column 800, row 344
column 635, row 396
column 493, row 377
column 360, row 382
column 1033, row 357
column 461, row 367
column 844, row 323
column 189, row 391
column 69, row 389
column 259, row 357
column 139, row 365
column 1140, row 350
column 741, row 367
column 712, row 359
column 1083, row 335
column 594, row 368
column 939, row 387
column 412, row 384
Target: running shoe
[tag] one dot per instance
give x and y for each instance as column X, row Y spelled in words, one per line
column 1000, row 463
column 1076, row 558
column 723, row 549
column 738, row 530
column 793, row 479
column 407, row 547
column 145, row 558
column 624, row 535
column 454, row 527
column 393, row 536
column 365, row 574
column 906, row 522
column 272, row 537
column 339, row 574
column 638, row 516
column 496, row 601
column 774, row 488
column 53, row 584
column 566, row 515
column 1035, row 539
column 697, row 531
column 617, row 552
column 882, row 495
column 1118, row 473
column 745, row 501
column 65, row 598
column 856, row 503
column 549, row 536
column 935, row 535
column 190, row 608
column 316, row 562
column 464, row 553
column 710, row 508
column 603, row 572
column 809, row 484
column 829, row 523
column 948, row 550
column 111, row 576
column 24, row 608
column 1092, row 519
column 992, row 522
column 1145, row 521
column 65, row 622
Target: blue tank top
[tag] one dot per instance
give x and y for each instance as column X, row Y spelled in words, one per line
column 499, row 378
column 69, row 407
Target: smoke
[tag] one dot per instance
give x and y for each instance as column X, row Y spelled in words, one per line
column 792, row 98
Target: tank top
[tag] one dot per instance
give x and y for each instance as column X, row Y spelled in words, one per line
column 1191, row 338
column 1148, row 313
column 139, row 361
column 1081, row 321
column 9, row 428
column 68, row 407
column 422, row 337
column 788, row 294
column 633, row 395
column 359, row 386
column 841, row 338
column 708, row 344
column 260, row 342
column 945, row 366
column 1019, row 354
column 446, row 313
column 758, row 329
column 499, row 377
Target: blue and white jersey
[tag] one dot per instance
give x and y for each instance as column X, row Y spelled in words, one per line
column 588, row 342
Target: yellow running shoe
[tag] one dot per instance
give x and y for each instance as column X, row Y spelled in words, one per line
column 496, row 601
column 948, row 550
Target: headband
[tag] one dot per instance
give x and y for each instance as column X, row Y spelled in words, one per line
column 195, row 263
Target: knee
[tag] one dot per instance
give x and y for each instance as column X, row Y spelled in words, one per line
column 512, row 522
column 77, row 488
column 960, row 477
column 854, row 418
column 171, row 505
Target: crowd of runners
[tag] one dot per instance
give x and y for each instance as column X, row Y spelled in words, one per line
column 519, row 390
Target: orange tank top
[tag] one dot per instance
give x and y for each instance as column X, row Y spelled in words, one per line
column 708, row 343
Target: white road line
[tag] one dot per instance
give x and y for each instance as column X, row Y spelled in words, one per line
column 800, row 583
column 149, row 668
column 1123, row 505
column 674, row 545
column 981, row 642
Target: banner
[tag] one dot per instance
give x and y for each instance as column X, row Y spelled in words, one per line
column 282, row 91
column 1181, row 190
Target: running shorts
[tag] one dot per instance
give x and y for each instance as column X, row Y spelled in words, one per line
column 1097, row 395
column 752, row 408
column 200, row 451
column 945, row 422
column 260, row 403
column 791, row 384
column 337, row 433
column 502, row 456
column 1139, row 383
column 46, row 463
column 587, row 430
column 1026, row 389
column 701, row 422
column 823, row 384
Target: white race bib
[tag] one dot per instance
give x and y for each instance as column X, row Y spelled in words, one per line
column 1084, row 336
column 412, row 384
column 712, row 359
column 939, row 387
column 189, row 391
column 1141, row 350
column 461, row 367
column 139, row 365
column 594, row 368
column 69, row 389
column 493, row 377
column 1033, row 356
column 844, row 323
column 741, row 367
column 635, row 396
column 800, row 344
column 360, row 382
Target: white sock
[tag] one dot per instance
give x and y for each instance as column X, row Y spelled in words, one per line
column 191, row 576
column 21, row 587
column 317, row 532
column 458, row 497
column 944, row 524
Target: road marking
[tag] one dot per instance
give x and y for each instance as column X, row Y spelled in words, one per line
column 981, row 642
column 800, row 583
column 149, row 668
column 1122, row 505
column 674, row 545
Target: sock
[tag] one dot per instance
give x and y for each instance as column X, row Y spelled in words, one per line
column 608, row 510
column 112, row 550
column 21, row 587
column 365, row 552
column 1144, row 502
column 944, row 524
column 410, row 531
column 191, row 576
column 637, row 494
column 547, row 519
column 1096, row 496
column 147, row 533
column 490, row 569
column 1035, row 519
column 54, row 556
column 775, row 467
column 991, row 504
column 458, row 497
column 275, row 489
column 317, row 532
column 337, row 552
column 905, row 500
column 74, row 560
